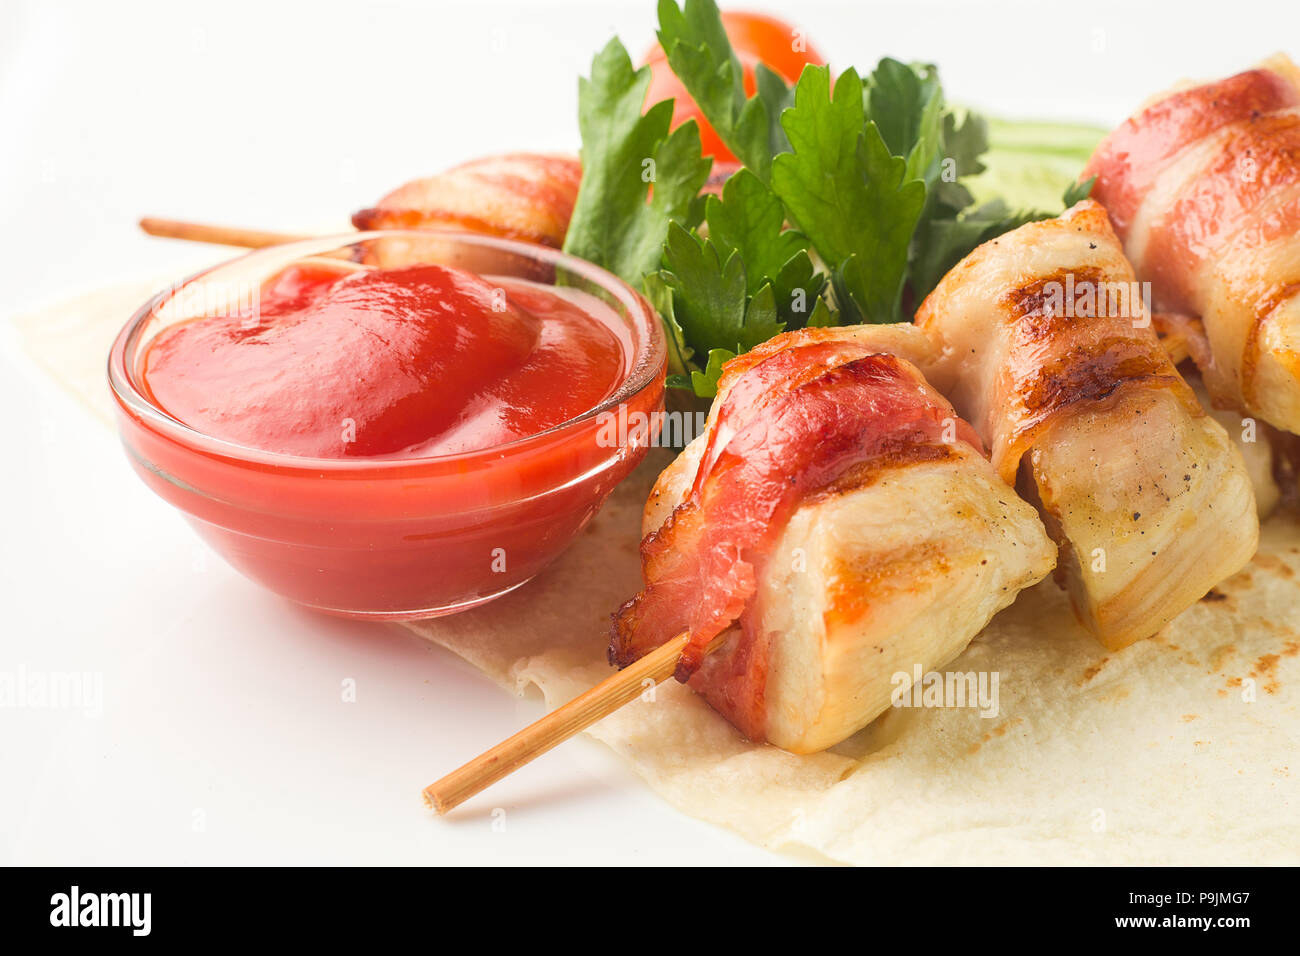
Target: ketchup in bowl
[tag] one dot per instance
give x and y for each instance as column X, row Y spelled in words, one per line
column 407, row 432
column 411, row 362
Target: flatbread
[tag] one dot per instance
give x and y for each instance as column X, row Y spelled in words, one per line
column 1181, row 749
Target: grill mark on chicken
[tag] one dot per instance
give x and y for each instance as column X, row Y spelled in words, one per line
column 1084, row 373
column 1087, row 375
column 1028, row 303
column 893, row 455
column 853, row 587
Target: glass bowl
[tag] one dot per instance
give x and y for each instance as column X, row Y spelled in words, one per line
column 391, row 539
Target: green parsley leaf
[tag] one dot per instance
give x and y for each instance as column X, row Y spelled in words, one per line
column 705, row 384
column 748, row 280
column 777, row 96
column 848, row 193
column 660, row 296
column 618, row 221
column 710, row 301
column 1078, row 192
column 823, row 316
column 749, row 220
column 906, row 104
column 963, row 145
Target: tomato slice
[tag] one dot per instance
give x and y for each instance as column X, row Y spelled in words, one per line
column 755, row 38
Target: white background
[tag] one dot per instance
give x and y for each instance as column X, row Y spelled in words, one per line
column 222, row 738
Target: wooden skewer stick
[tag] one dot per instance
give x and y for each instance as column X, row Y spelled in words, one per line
column 219, row 235
column 557, row 726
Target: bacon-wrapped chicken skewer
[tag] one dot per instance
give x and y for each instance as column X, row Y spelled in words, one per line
column 839, row 523
column 526, row 196
column 1047, row 349
column 1203, row 185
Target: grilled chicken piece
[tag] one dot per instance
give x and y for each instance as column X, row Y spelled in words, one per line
column 1258, row 443
column 1203, row 185
column 1047, row 349
column 896, row 553
column 524, row 196
column 1263, row 448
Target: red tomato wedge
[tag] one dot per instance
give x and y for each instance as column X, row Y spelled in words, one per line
column 755, row 38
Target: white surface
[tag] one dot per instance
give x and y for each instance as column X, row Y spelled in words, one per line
column 223, row 737
column 222, row 705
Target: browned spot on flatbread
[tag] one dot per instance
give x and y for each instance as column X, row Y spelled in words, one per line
column 1188, row 718
column 1093, row 671
column 1266, row 670
column 1273, row 564
column 1241, row 581
column 999, row 731
column 1219, row 656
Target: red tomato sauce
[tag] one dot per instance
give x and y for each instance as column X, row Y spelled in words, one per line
column 413, row 362
column 409, row 441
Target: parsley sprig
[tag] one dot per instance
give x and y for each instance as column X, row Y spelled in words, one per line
column 849, row 208
column 620, row 222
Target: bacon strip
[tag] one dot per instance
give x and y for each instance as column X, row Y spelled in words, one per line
column 790, row 426
column 1204, row 189
column 1129, row 160
column 516, row 196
